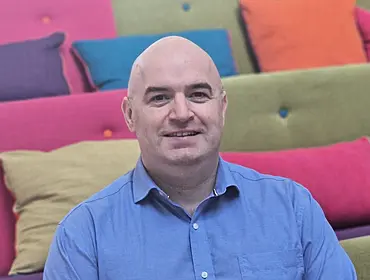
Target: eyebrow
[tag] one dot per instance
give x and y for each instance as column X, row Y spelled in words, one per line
column 200, row 86
column 152, row 89
column 155, row 89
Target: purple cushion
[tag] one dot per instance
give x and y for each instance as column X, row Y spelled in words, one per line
column 32, row 68
column 353, row 232
column 35, row 276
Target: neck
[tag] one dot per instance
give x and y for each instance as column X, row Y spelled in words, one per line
column 186, row 184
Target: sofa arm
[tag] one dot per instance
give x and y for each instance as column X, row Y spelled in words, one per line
column 358, row 250
column 291, row 109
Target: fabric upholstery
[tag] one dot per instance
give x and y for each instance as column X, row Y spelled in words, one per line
column 327, row 172
column 322, row 107
column 34, row 276
column 181, row 16
column 109, row 61
column 32, row 69
column 363, row 23
column 72, row 118
column 358, row 250
column 352, row 232
column 290, row 34
column 365, row 4
column 47, row 185
column 7, row 228
column 23, row 20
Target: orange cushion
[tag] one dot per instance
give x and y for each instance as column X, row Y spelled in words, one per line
column 293, row 34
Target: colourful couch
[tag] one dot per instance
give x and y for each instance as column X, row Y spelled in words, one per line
column 294, row 119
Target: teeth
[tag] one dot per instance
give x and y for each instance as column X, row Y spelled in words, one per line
column 182, row 134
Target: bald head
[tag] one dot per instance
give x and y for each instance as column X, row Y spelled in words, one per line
column 171, row 60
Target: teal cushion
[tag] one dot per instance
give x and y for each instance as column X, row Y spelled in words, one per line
column 108, row 62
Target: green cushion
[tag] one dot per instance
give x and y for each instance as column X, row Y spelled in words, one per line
column 358, row 250
column 364, row 4
column 160, row 16
column 324, row 106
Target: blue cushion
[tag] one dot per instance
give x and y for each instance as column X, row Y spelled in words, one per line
column 109, row 61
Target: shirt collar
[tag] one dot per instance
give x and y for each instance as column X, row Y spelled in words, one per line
column 143, row 184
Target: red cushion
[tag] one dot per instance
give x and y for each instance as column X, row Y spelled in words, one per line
column 363, row 23
column 338, row 176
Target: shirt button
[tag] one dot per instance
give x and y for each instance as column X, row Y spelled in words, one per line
column 195, row 226
column 204, row 274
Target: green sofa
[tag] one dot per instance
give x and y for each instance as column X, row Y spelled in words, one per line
column 322, row 106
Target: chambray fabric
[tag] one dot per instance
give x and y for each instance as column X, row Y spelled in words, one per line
column 255, row 226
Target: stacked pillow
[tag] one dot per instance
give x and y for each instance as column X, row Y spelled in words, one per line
column 291, row 34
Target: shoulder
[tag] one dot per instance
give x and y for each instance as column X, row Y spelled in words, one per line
column 100, row 202
column 254, row 183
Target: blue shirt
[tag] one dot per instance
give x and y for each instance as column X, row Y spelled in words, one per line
column 255, row 227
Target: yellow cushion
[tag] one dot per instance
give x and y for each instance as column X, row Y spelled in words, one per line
column 47, row 185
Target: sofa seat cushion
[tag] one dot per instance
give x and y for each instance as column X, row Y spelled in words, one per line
column 337, row 175
column 46, row 185
column 358, row 249
column 33, row 276
column 353, row 232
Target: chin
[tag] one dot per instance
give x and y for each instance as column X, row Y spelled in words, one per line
column 184, row 156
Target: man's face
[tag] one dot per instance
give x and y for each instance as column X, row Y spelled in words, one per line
column 178, row 110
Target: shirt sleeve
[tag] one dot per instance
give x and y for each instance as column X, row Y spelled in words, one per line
column 324, row 257
column 71, row 253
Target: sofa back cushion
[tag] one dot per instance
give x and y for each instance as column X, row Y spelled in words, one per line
column 162, row 16
column 363, row 3
column 297, row 109
column 21, row 20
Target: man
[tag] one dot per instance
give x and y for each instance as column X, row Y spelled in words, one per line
column 183, row 212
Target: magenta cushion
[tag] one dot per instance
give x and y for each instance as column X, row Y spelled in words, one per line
column 337, row 175
column 363, row 22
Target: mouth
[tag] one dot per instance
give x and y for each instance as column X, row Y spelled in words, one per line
column 182, row 133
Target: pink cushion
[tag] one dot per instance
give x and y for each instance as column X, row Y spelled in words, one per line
column 363, row 23
column 337, row 175
column 71, row 118
column 80, row 19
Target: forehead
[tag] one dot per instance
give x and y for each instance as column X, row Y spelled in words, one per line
column 177, row 71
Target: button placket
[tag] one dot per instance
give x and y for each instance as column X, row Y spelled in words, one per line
column 200, row 249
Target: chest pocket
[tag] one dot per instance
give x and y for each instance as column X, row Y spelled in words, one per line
column 282, row 265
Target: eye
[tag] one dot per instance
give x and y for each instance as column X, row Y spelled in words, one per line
column 199, row 96
column 159, row 99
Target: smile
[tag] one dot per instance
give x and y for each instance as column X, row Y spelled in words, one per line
column 182, row 134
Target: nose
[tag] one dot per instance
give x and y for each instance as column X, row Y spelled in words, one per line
column 180, row 110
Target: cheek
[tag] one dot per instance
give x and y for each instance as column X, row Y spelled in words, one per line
column 146, row 125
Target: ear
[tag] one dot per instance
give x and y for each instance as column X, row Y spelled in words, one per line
column 127, row 112
column 224, row 106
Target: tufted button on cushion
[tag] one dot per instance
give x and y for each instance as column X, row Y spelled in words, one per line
column 108, row 133
column 186, row 6
column 46, row 19
column 284, row 112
